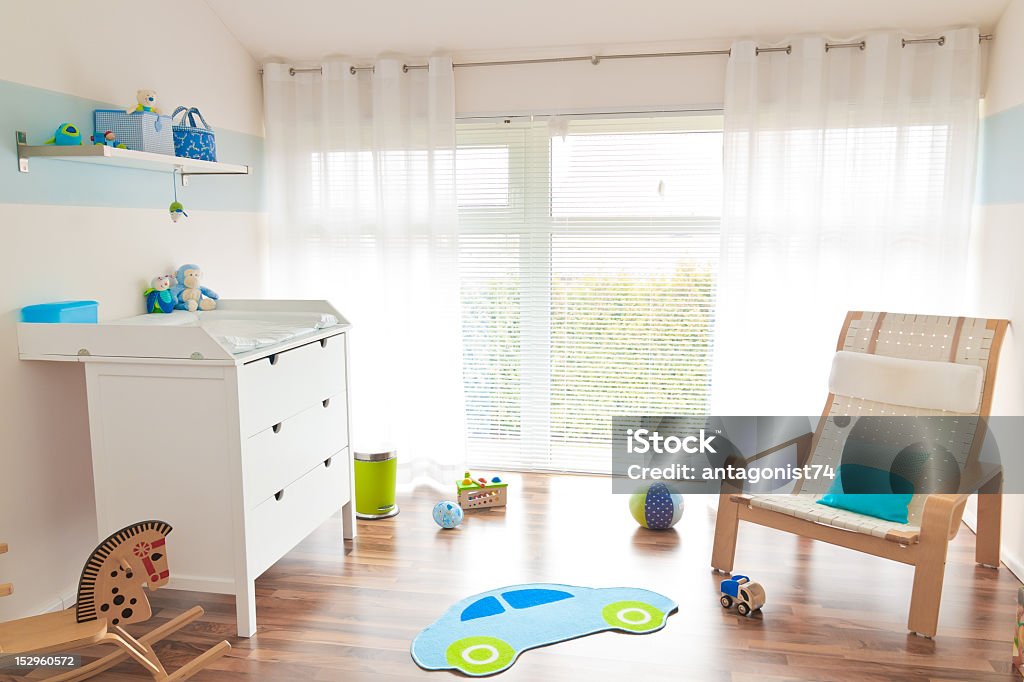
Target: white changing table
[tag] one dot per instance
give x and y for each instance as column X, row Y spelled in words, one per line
column 244, row 454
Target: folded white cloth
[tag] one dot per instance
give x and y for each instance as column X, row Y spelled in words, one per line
column 263, row 329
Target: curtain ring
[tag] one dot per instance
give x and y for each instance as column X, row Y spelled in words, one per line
column 595, row 60
column 291, row 70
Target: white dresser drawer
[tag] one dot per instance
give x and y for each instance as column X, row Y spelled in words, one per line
column 278, row 524
column 278, row 456
column 281, row 385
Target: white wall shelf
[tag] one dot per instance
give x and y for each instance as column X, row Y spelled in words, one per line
column 124, row 158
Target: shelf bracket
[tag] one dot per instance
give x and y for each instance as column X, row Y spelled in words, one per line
column 22, row 140
column 185, row 176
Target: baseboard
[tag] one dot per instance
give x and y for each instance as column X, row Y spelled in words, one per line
column 69, row 596
column 1013, row 563
column 199, row 583
column 65, row 600
column 971, row 518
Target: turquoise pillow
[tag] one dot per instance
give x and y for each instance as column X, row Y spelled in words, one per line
column 890, row 502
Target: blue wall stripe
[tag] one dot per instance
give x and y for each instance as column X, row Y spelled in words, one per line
column 1001, row 163
column 38, row 112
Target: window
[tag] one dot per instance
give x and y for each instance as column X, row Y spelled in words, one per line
column 588, row 253
column 524, row 599
column 488, row 606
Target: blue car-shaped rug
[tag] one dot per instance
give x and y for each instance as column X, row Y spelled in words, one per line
column 485, row 633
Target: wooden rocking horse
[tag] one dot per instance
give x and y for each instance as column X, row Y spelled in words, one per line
column 110, row 596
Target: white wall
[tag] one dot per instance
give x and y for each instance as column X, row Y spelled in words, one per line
column 1000, row 245
column 106, row 253
column 108, row 51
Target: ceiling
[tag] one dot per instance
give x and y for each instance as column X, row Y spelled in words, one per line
column 301, row 30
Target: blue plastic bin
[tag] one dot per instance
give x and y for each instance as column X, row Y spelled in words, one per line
column 83, row 312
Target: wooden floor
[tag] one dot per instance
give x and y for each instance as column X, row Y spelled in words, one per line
column 334, row 611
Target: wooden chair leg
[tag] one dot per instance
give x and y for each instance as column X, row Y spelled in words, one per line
column 990, row 521
column 727, row 528
column 931, row 565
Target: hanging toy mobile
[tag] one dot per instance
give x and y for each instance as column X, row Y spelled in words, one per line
column 176, row 209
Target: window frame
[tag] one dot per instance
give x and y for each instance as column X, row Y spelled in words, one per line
column 529, row 217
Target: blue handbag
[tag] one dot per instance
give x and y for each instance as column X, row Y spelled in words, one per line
column 191, row 140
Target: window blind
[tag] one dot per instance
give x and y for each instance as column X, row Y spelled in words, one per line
column 588, row 252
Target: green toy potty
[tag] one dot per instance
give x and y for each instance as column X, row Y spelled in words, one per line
column 376, row 473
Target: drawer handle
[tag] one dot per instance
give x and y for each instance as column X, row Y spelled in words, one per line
column 326, row 402
column 328, row 462
column 323, row 342
column 277, row 427
column 279, row 495
column 273, row 359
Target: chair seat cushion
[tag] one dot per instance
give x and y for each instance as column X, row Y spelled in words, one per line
column 805, row 506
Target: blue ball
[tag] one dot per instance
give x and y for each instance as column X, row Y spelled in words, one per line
column 657, row 508
column 447, row 514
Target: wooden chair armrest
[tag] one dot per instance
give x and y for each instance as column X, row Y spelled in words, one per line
column 942, row 513
column 944, row 500
column 980, row 476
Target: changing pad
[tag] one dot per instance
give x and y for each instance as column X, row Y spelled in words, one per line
column 242, row 331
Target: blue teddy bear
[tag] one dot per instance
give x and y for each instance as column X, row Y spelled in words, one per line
column 189, row 293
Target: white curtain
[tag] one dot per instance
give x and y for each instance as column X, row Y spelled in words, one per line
column 361, row 187
column 849, row 178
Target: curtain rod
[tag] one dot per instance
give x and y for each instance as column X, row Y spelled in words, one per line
column 597, row 59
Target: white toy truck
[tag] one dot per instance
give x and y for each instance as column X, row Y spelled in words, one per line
column 746, row 595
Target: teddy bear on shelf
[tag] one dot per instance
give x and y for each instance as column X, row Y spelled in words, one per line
column 159, row 298
column 189, row 293
column 146, row 101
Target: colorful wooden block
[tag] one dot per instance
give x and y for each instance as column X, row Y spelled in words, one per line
column 474, row 495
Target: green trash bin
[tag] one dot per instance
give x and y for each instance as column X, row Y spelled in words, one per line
column 376, row 473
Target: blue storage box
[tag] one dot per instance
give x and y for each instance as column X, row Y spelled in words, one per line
column 143, row 131
column 83, row 312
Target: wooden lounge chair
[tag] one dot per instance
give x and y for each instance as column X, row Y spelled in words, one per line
column 110, row 595
column 934, row 519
